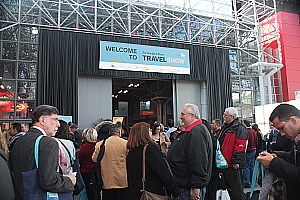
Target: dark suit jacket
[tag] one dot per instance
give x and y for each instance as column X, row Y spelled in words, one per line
column 22, row 160
column 7, row 189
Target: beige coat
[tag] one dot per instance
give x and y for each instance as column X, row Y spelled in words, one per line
column 164, row 142
column 113, row 163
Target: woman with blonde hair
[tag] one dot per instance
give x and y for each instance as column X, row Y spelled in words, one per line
column 85, row 159
column 158, row 174
column 3, row 143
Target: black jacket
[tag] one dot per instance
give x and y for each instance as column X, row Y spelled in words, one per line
column 22, row 160
column 6, row 183
column 158, row 173
column 287, row 166
column 190, row 157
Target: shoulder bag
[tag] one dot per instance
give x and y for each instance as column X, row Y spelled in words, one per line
column 221, row 162
column 76, row 168
column 145, row 194
column 273, row 187
column 96, row 182
column 32, row 189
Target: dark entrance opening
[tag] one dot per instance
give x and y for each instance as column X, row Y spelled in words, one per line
column 140, row 100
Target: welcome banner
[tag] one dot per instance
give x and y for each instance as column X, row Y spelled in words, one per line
column 134, row 57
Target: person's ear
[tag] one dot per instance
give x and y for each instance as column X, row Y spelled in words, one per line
column 42, row 120
column 294, row 119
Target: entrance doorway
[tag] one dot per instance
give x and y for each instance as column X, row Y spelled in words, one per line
column 142, row 100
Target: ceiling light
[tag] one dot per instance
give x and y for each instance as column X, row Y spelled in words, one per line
column 34, row 30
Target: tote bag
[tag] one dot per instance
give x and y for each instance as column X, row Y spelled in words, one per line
column 221, row 162
column 32, row 189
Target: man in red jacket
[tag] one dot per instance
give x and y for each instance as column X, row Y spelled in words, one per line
column 233, row 139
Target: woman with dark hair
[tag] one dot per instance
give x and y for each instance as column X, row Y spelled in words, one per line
column 261, row 144
column 158, row 174
column 66, row 154
column 125, row 132
column 160, row 137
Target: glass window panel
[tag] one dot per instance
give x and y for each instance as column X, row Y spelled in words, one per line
column 26, row 90
column 247, row 111
column 203, row 5
column 9, row 50
column 234, row 68
column 27, row 71
column 7, row 109
column 236, row 98
column 7, row 89
column 27, row 34
column 246, row 97
column 247, row 83
column 12, row 2
column 256, row 98
column 239, row 111
column 28, row 51
column 7, row 70
column 24, row 109
column 26, row 2
column 10, row 33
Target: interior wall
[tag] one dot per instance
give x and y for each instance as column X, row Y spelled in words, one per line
column 94, row 99
column 193, row 92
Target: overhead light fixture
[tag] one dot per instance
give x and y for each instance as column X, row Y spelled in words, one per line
column 34, row 30
column 120, row 91
column 130, row 85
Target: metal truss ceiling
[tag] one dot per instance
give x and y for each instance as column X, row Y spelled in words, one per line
column 241, row 32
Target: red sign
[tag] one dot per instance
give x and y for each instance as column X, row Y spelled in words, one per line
column 8, row 106
column 147, row 112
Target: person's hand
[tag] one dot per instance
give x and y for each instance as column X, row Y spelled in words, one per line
column 72, row 177
column 266, row 159
column 195, row 194
column 235, row 166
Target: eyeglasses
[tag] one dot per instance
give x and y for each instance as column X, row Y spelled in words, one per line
column 185, row 114
column 55, row 119
column 281, row 128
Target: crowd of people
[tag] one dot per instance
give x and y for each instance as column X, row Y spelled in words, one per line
column 179, row 161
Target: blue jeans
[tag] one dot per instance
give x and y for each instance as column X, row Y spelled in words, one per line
column 185, row 194
column 248, row 171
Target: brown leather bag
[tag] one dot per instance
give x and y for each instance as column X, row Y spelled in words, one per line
column 145, row 194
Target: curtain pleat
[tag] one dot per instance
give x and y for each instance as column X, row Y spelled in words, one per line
column 63, row 55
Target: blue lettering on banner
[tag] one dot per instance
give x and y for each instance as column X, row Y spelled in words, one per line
column 134, row 57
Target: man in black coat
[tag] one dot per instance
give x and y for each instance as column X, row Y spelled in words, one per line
column 77, row 134
column 286, row 165
column 190, row 155
column 45, row 121
column 6, row 183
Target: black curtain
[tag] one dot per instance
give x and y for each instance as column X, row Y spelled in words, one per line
column 63, row 55
column 57, row 72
